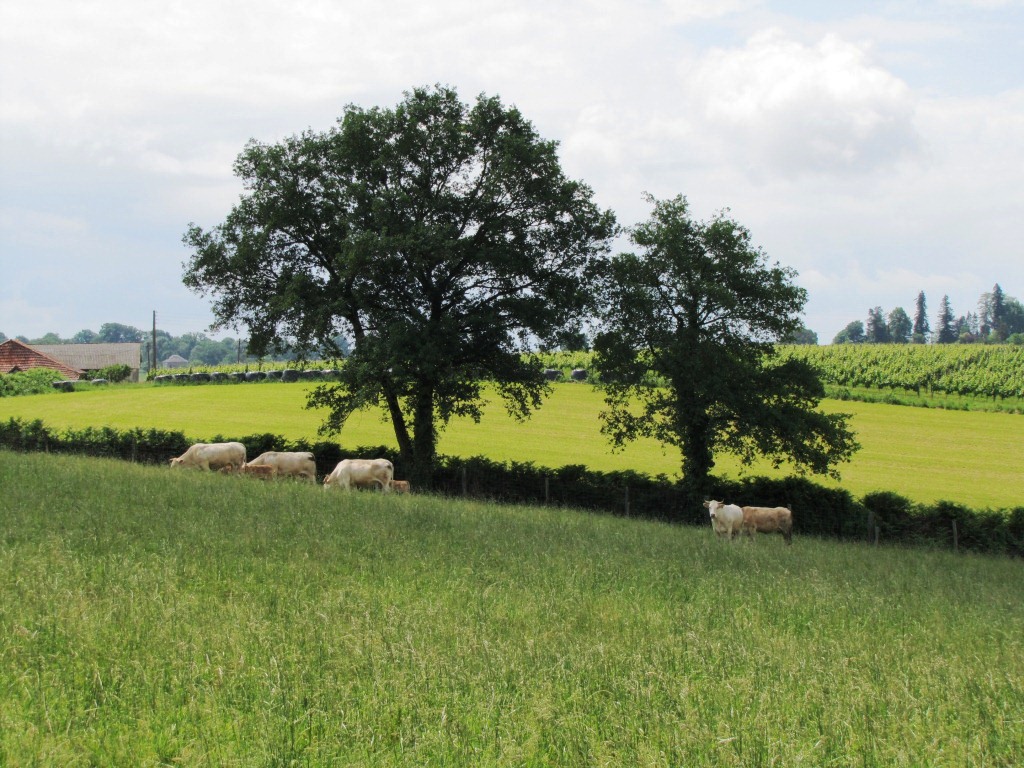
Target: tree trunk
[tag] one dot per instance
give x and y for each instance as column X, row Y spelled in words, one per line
column 405, row 446
column 424, row 439
column 698, row 460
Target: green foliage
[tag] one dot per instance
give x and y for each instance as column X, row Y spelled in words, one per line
column 899, row 326
column 32, row 382
column 115, row 373
column 702, row 307
column 853, row 333
column 801, row 336
column 960, row 369
column 439, row 235
column 116, row 333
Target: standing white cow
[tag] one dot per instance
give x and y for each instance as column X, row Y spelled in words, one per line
column 299, row 464
column 726, row 519
column 225, row 457
column 359, row 473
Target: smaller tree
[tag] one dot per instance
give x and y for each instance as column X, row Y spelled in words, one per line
column 946, row 333
column 115, row 333
column 210, row 352
column 992, row 311
column 687, row 350
column 853, row 333
column 85, row 336
column 921, row 328
column 572, row 340
column 967, row 328
column 802, row 336
column 877, row 331
column 1013, row 316
column 49, row 338
column 899, row 326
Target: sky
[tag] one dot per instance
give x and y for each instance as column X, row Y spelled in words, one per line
column 877, row 148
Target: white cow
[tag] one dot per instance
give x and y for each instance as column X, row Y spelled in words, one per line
column 299, row 464
column 726, row 519
column 359, row 473
column 226, row 457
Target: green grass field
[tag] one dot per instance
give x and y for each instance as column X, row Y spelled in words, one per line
column 973, row 458
column 151, row 617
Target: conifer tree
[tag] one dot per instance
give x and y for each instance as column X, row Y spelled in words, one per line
column 921, row 327
column 946, row 333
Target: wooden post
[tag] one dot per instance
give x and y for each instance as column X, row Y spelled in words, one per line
column 956, row 538
column 627, row 501
column 465, row 483
column 152, row 366
column 547, row 490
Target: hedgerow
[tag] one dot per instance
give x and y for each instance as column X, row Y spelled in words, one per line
column 817, row 510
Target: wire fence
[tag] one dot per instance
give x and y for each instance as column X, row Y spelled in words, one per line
column 818, row 511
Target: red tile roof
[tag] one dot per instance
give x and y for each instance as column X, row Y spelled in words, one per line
column 15, row 357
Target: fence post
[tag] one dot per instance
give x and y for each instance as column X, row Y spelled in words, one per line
column 627, row 501
column 547, row 490
column 465, row 483
column 956, row 538
column 871, row 522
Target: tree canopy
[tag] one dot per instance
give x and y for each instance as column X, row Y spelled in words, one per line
column 853, row 333
column 443, row 238
column 689, row 327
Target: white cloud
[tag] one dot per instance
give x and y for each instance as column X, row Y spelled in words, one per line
column 791, row 108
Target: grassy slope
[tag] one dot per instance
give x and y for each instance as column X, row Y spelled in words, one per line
column 150, row 617
column 925, row 454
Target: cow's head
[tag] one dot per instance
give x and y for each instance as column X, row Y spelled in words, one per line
column 712, row 507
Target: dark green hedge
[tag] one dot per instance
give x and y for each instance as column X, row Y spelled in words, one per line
column 817, row 510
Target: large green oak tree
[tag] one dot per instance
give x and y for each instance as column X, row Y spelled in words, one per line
column 443, row 238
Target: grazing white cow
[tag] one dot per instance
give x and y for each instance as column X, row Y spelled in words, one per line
column 299, row 464
column 226, row 457
column 768, row 520
column 360, row 473
column 726, row 519
column 400, row 486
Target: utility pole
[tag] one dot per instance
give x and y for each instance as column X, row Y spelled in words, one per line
column 153, row 366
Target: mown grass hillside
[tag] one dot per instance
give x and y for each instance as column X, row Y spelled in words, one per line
column 156, row 617
column 972, row 458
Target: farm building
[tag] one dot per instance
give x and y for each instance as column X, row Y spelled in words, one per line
column 95, row 357
column 16, row 357
column 175, row 361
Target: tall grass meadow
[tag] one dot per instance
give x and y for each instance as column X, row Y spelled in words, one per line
column 157, row 617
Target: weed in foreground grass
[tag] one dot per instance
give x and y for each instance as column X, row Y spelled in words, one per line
column 152, row 617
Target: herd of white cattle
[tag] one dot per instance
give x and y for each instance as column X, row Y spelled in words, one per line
column 727, row 520
column 347, row 475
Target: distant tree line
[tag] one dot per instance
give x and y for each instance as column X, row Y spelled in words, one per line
column 999, row 320
column 197, row 348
